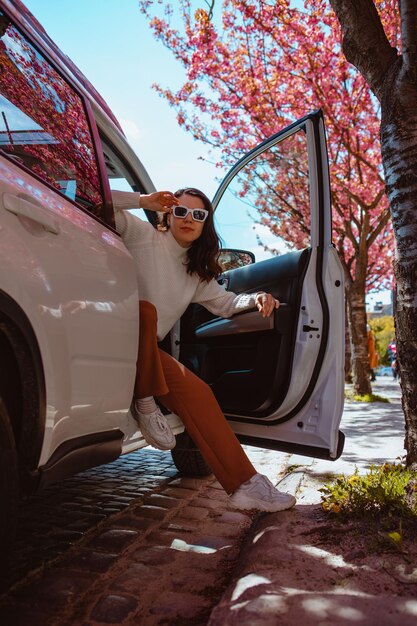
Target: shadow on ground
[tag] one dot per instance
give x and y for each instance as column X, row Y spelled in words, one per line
column 297, row 568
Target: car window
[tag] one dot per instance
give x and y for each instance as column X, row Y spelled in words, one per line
column 119, row 175
column 267, row 204
column 118, row 172
column 43, row 124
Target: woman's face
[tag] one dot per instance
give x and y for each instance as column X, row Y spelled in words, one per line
column 186, row 230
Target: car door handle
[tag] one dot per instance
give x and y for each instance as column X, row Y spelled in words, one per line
column 33, row 211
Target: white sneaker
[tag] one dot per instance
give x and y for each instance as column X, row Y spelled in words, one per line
column 154, row 428
column 259, row 493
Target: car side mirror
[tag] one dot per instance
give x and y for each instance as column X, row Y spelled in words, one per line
column 230, row 259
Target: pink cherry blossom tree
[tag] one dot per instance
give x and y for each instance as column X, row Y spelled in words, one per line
column 262, row 64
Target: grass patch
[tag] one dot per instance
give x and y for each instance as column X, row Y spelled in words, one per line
column 389, row 489
column 368, row 397
column 379, row 507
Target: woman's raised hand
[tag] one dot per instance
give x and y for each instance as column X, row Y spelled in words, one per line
column 158, row 201
column 266, row 303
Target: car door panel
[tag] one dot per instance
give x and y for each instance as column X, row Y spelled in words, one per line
column 245, row 372
column 280, row 382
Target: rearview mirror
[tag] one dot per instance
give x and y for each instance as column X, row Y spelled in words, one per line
column 229, row 259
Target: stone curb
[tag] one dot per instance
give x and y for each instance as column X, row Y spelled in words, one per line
column 274, row 583
column 243, row 583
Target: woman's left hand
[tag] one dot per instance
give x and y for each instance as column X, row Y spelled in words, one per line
column 266, row 303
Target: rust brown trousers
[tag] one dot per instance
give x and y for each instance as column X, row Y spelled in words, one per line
column 186, row 395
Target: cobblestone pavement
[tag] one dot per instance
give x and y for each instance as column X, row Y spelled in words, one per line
column 127, row 543
column 59, row 516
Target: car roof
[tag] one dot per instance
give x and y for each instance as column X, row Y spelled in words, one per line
column 27, row 22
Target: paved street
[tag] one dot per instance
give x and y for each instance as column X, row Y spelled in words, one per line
column 59, row 516
column 99, row 547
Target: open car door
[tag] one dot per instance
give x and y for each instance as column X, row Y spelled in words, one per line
column 280, row 380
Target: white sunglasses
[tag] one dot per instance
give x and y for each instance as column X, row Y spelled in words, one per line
column 198, row 215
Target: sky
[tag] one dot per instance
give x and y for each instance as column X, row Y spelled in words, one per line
column 113, row 46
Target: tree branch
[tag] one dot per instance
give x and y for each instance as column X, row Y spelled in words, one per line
column 365, row 43
column 382, row 222
column 210, row 8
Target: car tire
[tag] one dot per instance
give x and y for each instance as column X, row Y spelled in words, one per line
column 188, row 459
column 9, row 489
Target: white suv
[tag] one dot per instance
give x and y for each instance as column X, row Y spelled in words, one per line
column 69, row 298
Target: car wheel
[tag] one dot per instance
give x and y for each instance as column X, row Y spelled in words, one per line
column 9, row 489
column 187, row 458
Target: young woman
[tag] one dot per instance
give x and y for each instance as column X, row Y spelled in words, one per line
column 175, row 268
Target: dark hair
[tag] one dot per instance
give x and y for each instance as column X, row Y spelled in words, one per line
column 203, row 253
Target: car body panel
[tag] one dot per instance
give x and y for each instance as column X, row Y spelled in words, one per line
column 78, row 288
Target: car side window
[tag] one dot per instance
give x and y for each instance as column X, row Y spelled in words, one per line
column 43, row 123
column 121, row 178
column 271, row 192
column 118, row 173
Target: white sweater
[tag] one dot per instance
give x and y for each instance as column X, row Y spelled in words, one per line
column 163, row 279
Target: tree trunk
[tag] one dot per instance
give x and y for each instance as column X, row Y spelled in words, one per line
column 348, row 356
column 399, row 157
column 358, row 334
column 348, row 341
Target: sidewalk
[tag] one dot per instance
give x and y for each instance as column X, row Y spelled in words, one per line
column 297, row 568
